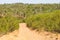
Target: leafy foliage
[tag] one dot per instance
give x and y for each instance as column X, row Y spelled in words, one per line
column 47, row 21
column 37, row 16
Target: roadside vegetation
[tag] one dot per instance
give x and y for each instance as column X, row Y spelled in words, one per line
column 48, row 21
column 37, row 16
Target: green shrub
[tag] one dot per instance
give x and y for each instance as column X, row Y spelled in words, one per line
column 47, row 21
column 8, row 24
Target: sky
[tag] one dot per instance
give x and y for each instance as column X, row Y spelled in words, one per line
column 40, row 1
column 8, row 1
column 29, row 1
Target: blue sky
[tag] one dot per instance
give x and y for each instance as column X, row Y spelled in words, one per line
column 29, row 1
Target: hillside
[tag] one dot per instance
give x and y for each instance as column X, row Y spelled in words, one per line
column 37, row 16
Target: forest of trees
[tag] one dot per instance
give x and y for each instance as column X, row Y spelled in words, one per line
column 37, row 16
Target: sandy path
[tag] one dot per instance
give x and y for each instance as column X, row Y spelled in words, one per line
column 24, row 33
column 27, row 34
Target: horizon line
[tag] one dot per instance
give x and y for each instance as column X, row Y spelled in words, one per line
column 29, row 3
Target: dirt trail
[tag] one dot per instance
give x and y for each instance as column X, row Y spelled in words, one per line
column 24, row 33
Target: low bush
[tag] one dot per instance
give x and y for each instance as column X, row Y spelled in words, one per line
column 47, row 21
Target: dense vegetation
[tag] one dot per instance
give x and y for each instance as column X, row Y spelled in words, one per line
column 47, row 21
column 37, row 16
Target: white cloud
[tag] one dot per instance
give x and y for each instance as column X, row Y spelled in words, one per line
column 40, row 1
column 30, row 1
column 9, row 1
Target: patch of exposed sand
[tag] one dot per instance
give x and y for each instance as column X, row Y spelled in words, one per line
column 24, row 33
column 10, row 36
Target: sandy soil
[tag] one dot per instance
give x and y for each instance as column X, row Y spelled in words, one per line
column 10, row 36
column 24, row 33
